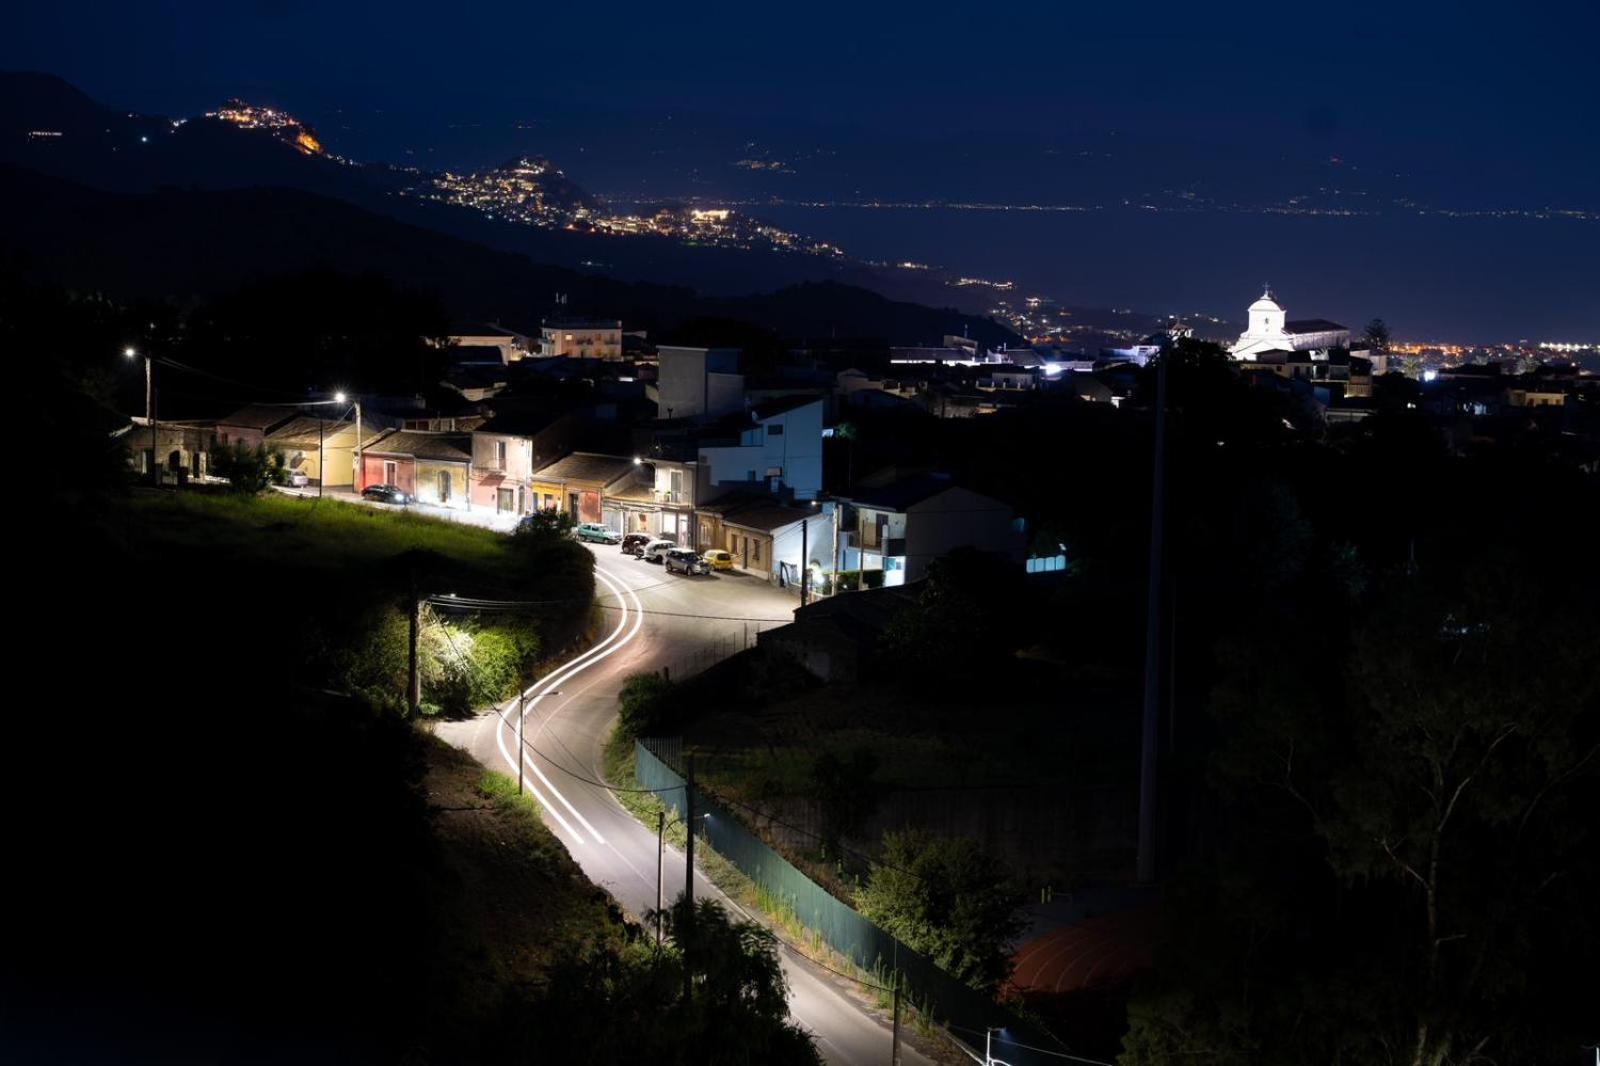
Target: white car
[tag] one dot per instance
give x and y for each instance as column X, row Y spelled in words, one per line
column 656, row 550
column 297, row 478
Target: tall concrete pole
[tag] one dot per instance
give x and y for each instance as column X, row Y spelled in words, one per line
column 686, row 935
column 688, row 821
column 150, row 416
column 414, row 676
column 805, row 550
column 1148, row 792
column 361, row 470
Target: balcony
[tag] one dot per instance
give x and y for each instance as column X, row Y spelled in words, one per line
column 669, row 496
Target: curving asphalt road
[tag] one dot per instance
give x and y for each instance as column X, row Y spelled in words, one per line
column 657, row 620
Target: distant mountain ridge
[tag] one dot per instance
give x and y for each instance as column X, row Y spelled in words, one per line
column 186, row 244
column 115, row 150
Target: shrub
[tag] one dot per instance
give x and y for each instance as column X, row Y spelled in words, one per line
column 947, row 899
column 645, row 705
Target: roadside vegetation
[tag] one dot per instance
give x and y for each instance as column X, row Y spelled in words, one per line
column 351, row 572
column 229, row 844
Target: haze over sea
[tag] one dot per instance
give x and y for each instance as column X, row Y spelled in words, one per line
column 1431, row 277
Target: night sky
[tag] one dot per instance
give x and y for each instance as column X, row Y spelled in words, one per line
column 1506, row 90
column 1481, row 118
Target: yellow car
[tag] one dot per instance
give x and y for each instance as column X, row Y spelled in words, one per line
column 717, row 559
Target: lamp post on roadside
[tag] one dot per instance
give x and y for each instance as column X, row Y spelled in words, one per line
column 805, row 554
column 359, row 475
column 522, row 715
column 149, row 406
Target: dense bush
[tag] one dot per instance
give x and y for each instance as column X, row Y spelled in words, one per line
column 645, row 706
column 948, row 900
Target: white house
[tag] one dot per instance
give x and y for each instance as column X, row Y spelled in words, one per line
column 901, row 526
column 780, row 449
column 1268, row 329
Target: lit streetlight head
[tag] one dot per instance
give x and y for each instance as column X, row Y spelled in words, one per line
column 637, row 461
column 338, row 397
column 129, row 352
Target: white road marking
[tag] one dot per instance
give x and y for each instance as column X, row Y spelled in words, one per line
column 606, row 648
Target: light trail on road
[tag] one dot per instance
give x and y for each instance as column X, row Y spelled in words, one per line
column 606, row 648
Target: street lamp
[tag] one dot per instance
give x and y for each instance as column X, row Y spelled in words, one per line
column 522, row 715
column 130, row 352
column 358, row 480
column 988, row 1045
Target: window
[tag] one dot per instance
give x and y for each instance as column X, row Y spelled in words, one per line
column 750, row 475
column 444, row 486
column 775, row 430
column 500, row 454
column 755, row 552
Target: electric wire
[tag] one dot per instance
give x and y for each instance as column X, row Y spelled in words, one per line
column 1030, row 1047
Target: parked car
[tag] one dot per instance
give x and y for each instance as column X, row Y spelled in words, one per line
column 385, row 494
column 717, row 559
column 684, row 561
column 296, row 478
column 633, row 543
column 596, row 532
column 656, row 550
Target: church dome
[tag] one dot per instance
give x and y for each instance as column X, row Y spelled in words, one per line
column 1266, row 303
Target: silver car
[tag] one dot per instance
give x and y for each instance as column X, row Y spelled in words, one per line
column 684, row 561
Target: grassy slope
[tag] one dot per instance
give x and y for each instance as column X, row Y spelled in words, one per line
column 517, row 901
column 310, row 534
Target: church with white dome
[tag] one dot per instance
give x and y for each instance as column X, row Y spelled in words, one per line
column 1269, row 329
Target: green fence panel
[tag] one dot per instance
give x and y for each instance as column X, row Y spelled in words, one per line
column 930, row 988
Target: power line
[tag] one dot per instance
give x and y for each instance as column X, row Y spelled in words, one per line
column 1030, row 1047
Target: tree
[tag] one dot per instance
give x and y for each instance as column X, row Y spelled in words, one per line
column 544, row 525
column 248, row 470
column 1459, row 795
column 961, row 621
column 1409, row 850
column 947, row 899
column 1377, row 334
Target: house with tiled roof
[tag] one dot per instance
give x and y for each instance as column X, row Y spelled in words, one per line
column 430, row 467
column 901, row 523
column 323, row 449
column 575, row 483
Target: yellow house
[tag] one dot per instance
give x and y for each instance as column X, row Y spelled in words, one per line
column 574, row 484
column 311, row 445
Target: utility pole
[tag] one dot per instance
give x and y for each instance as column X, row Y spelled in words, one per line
column 688, row 821
column 1148, row 792
column 150, row 415
column 522, row 716
column 805, row 567
column 361, row 467
column 894, row 1046
column 686, row 936
column 414, row 677
column 149, row 407
column 322, row 455
column 835, row 564
column 661, row 847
